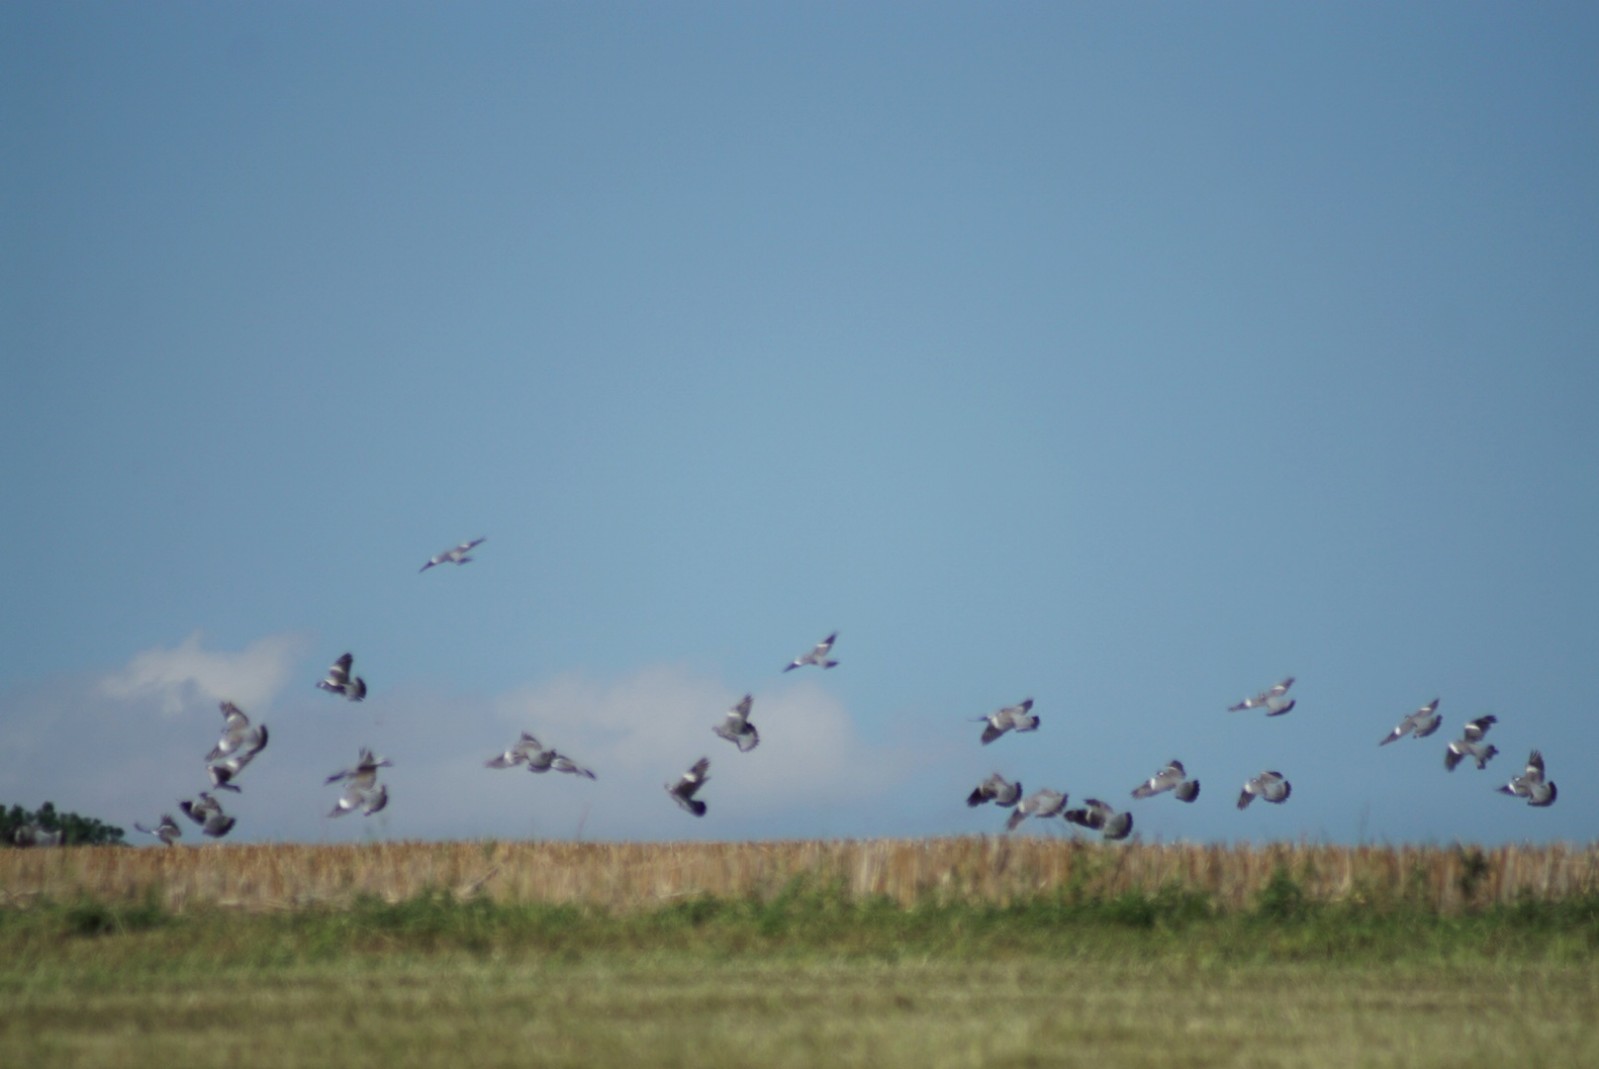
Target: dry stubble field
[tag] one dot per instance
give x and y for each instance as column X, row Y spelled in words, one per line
column 951, row 952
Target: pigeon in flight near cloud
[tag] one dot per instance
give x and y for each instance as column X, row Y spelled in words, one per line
column 458, row 555
column 238, row 734
column 1470, row 745
column 688, row 784
column 736, row 727
column 1017, row 718
column 223, row 772
column 237, row 747
column 340, row 681
column 537, row 757
column 1421, row 723
column 1531, row 784
column 817, row 656
column 1274, row 700
column 1272, row 786
column 1172, row 778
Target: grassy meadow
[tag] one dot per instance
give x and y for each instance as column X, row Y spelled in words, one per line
column 958, row 952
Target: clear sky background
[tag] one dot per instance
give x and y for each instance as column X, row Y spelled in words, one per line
column 1127, row 357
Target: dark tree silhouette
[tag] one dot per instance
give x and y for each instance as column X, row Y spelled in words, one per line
column 19, row 827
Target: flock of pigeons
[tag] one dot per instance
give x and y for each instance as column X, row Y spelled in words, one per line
column 240, row 741
column 1046, row 802
column 736, row 728
column 237, row 746
column 1530, row 783
column 1271, row 785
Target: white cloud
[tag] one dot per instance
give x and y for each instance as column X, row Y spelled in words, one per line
column 643, row 730
column 813, row 775
column 178, row 677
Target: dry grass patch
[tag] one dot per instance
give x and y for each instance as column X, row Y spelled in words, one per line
column 625, row 876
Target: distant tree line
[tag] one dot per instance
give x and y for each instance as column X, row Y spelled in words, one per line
column 47, row 826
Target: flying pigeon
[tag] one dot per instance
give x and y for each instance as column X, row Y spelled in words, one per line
column 1531, row 784
column 198, row 811
column 1105, row 819
column 736, row 727
column 688, row 784
column 1011, row 718
column 537, row 757
column 238, row 734
column 1271, row 699
column 458, row 555
column 1272, row 786
column 996, row 789
column 361, row 788
column 525, row 747
column 367, row 799
column 167, row 831
column 1041, row 803
column 222, row 772
column 1470, row 745
column 817, row 656
column 340, row 681
column 375, row 799
column 1421, row 723
column 207, row 813
column 1172, row 778
column 365, row 770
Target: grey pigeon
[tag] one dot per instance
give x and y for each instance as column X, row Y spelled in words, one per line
column 365, row 770
column 1016, row 718
column 1041, row 803
column 198, row 811
column 688, row 784
column 1273, row 699
column 1098, row 816
column 458, row 555
column 1421, row 723
column 1470, row 745
column 817, row 656
column 1272, row 786
column 996, row 789
column 538, row 758
column 736, row 727
column 207, row 812
column 238, row 734
column 361, row 788
column 1172, row 778
column 167, row 831
column 339, row 679
column 1531, row 784
column 519, row 754
column 223, row 772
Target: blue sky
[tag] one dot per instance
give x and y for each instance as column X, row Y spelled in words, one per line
column 1127, row 357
